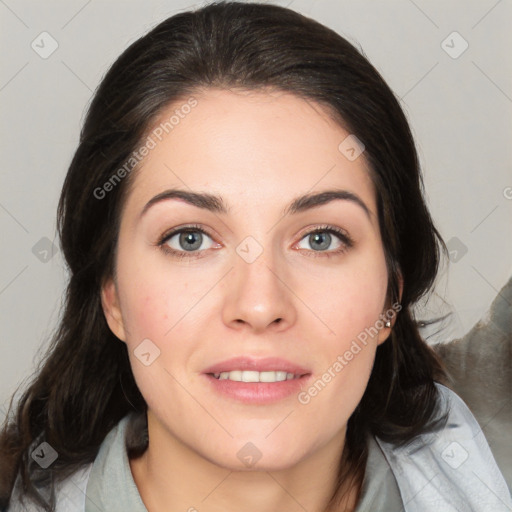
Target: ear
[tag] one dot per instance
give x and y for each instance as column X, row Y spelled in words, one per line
column 111, row 308
column 385, row 332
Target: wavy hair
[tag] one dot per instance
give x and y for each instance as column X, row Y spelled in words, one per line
column 84, row 385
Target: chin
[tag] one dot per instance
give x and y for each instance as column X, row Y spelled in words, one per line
column 256, row 456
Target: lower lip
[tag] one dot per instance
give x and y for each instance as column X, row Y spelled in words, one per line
column 258, row 392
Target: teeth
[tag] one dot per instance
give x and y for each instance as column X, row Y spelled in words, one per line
column 252, row 376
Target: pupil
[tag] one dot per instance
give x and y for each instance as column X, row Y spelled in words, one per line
column 326, row 237
column 190, row 238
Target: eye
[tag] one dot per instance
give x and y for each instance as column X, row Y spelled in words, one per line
column 322, row 238
column 188, row 241
column 184, row 242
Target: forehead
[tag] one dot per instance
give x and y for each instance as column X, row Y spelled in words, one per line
column 252, row 147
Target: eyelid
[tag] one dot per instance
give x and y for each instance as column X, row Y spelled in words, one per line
column 179, row 229
column 342, row 235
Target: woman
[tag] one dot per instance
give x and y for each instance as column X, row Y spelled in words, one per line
column 246, row 235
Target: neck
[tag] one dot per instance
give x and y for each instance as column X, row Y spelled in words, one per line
column 172, row 476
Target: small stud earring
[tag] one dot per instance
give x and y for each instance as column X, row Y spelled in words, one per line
column 388, row 324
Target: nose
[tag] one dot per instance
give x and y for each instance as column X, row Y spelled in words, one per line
column 258, row 296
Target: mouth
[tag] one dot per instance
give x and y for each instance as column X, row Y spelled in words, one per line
column 252, row 369
column 257, row 381
column 255, row 376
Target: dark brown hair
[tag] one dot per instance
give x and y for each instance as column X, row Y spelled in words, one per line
column 84, row 385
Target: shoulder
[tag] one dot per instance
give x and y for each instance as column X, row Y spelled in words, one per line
column 450, row 467
column 70, row 494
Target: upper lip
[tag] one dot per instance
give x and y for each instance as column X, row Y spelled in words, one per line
column 267, row 364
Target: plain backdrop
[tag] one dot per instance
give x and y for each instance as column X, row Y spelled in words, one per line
column 447, row 61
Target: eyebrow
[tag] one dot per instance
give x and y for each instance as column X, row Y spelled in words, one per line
column 216, row 204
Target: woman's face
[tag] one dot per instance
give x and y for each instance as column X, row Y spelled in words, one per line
column 250, row 281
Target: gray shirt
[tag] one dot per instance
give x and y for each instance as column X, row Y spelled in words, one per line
column 450, row 470
column 111, row 486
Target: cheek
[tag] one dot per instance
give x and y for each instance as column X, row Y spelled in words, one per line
column 349, row 299
column 145, row 316
column 350, row 307
column 154, row 298
column 155, row 314
column 160, row 308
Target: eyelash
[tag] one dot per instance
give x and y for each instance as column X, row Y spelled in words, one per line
column 346, row 240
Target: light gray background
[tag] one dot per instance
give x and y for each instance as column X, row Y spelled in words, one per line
column 459, row 109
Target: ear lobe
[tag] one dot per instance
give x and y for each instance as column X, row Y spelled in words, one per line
column 383, row 335
column 385, row 332
column 111, row 309
column 400, row 286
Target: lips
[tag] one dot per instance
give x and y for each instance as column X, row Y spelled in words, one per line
column 269, row 364
column 256, row 381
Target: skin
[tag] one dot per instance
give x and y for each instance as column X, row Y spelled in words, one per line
column 258, row 150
